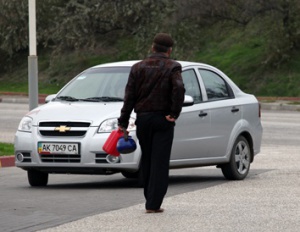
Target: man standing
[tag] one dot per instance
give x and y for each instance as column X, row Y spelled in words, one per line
column 155, row 91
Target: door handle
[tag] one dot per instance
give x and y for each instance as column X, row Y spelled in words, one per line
column 202, row 114
column 234, row 110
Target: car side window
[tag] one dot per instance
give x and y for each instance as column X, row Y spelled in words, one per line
column 216, row 87
column 191, row 85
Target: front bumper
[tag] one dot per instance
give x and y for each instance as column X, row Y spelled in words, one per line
column 92, row 157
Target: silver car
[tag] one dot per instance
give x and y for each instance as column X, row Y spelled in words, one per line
column 219, row 125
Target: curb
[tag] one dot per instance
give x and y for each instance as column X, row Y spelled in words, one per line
column 283, row 106
column 21, row 100
column 20, row 94
column 12, row 97
column 278, row 98
column 280, row 103
column 7, row 161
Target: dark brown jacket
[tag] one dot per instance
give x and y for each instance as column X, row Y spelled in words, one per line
column 154, row 85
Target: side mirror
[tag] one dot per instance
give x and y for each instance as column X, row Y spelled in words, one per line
column 50, row 98
column 188, row 100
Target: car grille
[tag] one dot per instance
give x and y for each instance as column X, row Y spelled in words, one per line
column 60, row 158
column 100, row 158
column 67, row 133
column 63, row 129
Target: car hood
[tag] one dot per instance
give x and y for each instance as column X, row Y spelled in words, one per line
column 93, row 112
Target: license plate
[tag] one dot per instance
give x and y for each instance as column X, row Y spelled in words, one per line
column 57, row 148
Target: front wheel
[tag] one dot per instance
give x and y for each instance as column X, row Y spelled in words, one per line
column 37, row 178
column 135, row 175
column 131, row 175
column 240, row 159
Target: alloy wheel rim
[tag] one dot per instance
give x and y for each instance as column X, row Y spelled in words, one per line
column 242, row 157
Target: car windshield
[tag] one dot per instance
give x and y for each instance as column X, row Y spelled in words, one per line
column 97, row 84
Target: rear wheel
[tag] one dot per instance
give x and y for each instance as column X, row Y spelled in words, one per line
column 239, row 164
column 37, row 178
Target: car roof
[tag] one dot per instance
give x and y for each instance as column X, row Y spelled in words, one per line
column 132, row 62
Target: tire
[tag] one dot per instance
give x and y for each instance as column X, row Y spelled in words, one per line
column 130, row 175
column 135, row 175
column 240, row 159
column 37, row 178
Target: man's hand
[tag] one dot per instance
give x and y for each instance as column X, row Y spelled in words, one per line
column 170, row 118
column 122, row 128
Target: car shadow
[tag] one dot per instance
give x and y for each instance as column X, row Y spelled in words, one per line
column 203, row 178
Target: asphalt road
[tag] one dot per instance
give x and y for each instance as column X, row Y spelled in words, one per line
column 71, row 197
column 281, row 128
column 10, row 116
column 267, row 200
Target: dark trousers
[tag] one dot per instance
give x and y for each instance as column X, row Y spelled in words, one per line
column 155, row 136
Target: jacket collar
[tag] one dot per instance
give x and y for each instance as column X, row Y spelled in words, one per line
column 159, row 54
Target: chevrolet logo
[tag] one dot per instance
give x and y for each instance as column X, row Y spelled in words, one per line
column 62, row 128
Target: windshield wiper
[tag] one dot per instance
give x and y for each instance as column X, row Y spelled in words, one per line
column 103, row 99
column 67, row 98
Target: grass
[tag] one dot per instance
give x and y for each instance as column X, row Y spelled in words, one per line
column 53, row 73
column 22, row 87
column 244, row 62
column 6, row 149
column 242, row 58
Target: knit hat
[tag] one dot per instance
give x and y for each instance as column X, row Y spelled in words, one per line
column 163, row 39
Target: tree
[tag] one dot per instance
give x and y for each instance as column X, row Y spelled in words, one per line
column 13, row 26
column 277, row 20
column 85, row 23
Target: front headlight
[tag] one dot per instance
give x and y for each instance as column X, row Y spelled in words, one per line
column 25, row 124
column 112, row 124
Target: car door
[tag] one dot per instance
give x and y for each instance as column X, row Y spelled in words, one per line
column 193, row 125
column 225, row 111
